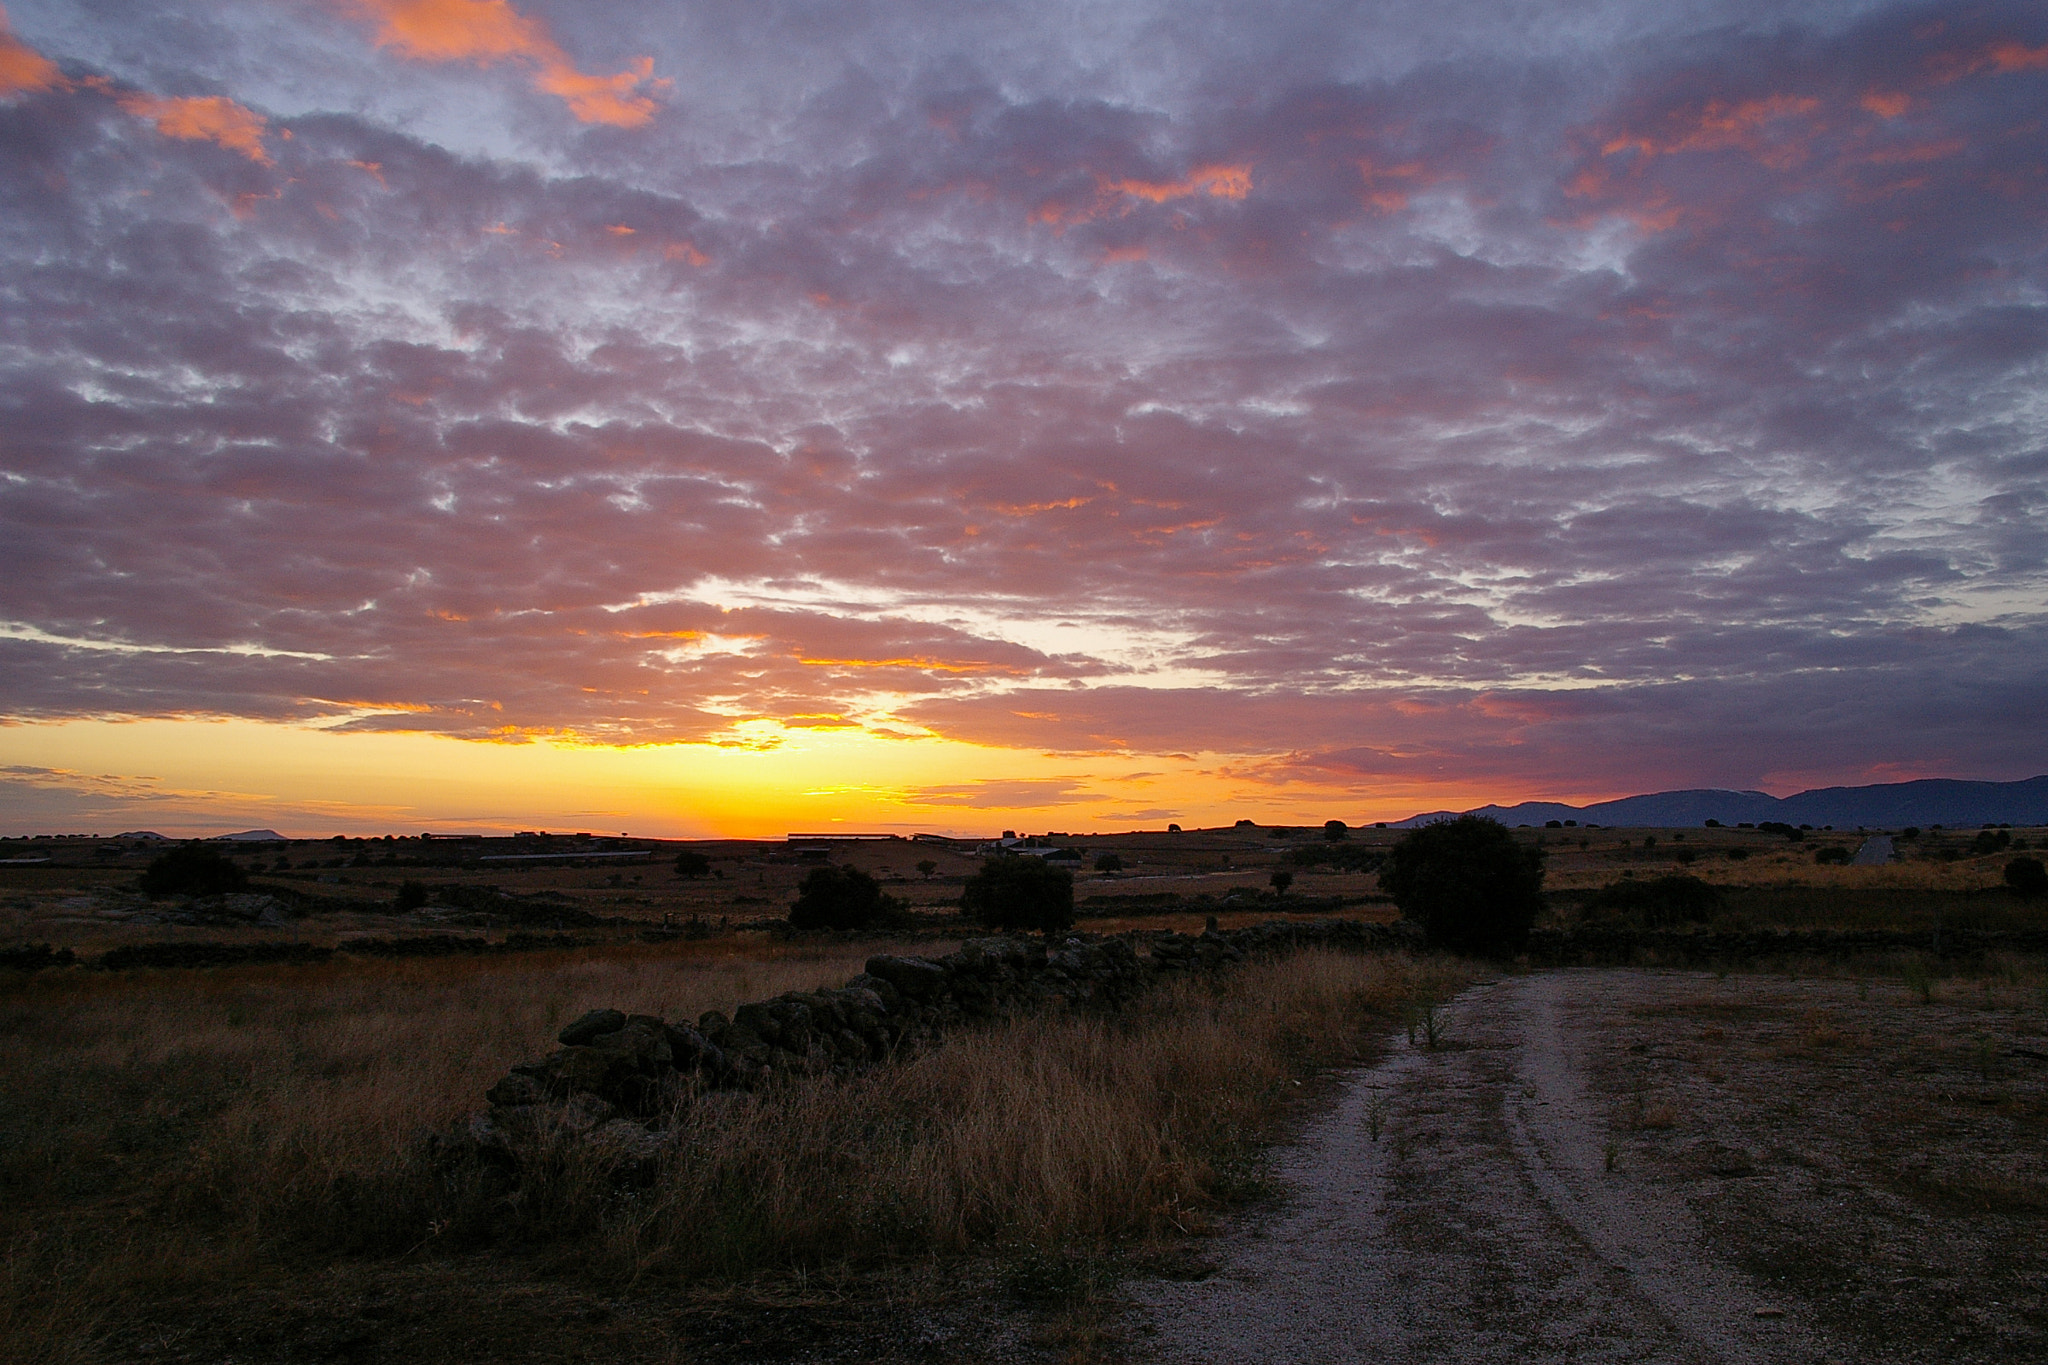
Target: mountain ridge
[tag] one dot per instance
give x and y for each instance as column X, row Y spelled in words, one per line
column 1925, row 801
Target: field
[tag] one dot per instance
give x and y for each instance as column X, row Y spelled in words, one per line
column 234, row 1161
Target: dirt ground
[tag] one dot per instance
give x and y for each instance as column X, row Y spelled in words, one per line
column 1636, row 1166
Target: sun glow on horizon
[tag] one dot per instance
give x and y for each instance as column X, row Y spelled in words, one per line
column 189, row 778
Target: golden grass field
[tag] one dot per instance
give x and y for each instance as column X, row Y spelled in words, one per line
column 185, row 1130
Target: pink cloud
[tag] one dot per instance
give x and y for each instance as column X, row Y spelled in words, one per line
column 489, row 32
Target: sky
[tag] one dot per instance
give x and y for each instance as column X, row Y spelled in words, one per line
column 694, row 418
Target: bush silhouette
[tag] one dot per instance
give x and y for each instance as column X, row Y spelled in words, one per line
column 1468, row 883
column 1012, row 892
column 1833, row 853
column 839, row 898
column 1333, row 830
column 1657, row 902
column 1109, row 862
column 411, row 896
column 691, row 863
column 1989, row 841
column 193, row 870
column 2027, row 877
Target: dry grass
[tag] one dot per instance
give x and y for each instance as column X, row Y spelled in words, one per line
column 248, row 1097
column 1048, row 1131
column 187, row 1128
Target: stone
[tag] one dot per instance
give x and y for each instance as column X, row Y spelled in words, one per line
column 917, row 977
column 516, row 1088
column 592, row 1025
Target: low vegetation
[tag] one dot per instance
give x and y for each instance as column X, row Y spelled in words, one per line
column 195, row 1126
column 840, row 896
column 193, row 870
column 1469, row 882
column 1020, row 893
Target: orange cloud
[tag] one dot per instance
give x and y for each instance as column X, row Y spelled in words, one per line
column 1720, row 126
column 2001, row 58
column 203, row 118
column 491, row 31
column 23, row 70
column 1220, row 182
column 924, row 664
column 1886, row 104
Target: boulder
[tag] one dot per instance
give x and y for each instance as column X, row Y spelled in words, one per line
column 592, row 1025
column 916, row 977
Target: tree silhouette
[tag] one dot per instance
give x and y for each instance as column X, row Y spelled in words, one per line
column 1470, row 885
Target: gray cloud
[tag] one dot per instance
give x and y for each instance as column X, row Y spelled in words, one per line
column 1673, row 372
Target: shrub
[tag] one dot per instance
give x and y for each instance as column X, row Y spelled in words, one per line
column 1333, row 830
column 1344, row 857
column 1736, row 855
column 411, row 896
column 1012, row 892
column 193, row 870
column 1989, row 841
column 1109, row 862
column 1780, row 827
column 1468, row 883
column 1833, row 853
column 691, row 863
column 832, row 897
column 1281, row 881
column 1657, row 902
column 2027, row 877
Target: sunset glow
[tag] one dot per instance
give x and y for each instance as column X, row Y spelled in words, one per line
column 492, row 414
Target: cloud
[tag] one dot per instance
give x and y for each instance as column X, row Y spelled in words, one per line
column 23, row 70
column 1001, row 794
column 1506, row 414
column 489, row 32
column 202, row 118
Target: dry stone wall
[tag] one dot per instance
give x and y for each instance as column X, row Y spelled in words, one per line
column 615, row 1075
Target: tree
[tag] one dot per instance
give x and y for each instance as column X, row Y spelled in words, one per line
column 411, row 896
column 2027, row 877
column 1281, row 881
column 925, row 868
column 1333, row 830
column 193, row 870
column 1012, row 892
column 833, row 897
column 691, row 863
column 1468, row 883
column 1109, row 862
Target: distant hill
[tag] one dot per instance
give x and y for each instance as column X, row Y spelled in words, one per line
column 250, row 836
column 1930, row 801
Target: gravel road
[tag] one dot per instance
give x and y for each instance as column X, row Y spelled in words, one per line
column 1458, row 1205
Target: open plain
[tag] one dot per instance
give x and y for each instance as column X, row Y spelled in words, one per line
column 1784, row 1156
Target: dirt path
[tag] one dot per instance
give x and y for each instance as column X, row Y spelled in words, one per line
column 1461, row 1205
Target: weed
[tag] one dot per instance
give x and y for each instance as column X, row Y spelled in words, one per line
column 1376, row 1116
column 1037, row 1274
column 1432, row 1021
column 1919, row 978
column 1613, row 1154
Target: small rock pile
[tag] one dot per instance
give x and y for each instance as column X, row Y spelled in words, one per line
column 616, row 1072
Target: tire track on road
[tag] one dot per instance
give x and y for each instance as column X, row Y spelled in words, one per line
column 1457, row 1205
